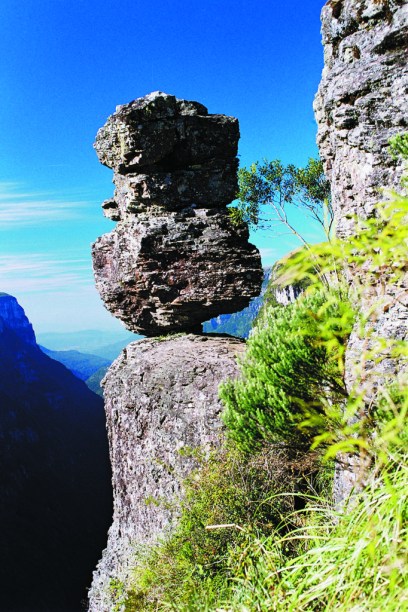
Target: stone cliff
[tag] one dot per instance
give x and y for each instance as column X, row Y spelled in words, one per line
column 54, row 479
column 15, row 317
column 362, row 101
column 173, row 261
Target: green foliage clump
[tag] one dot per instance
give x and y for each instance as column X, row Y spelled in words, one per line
column 291, row 374
column 269, row 188
column 229, row 501
column 354, row 561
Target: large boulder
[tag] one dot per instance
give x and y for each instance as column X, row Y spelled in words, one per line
column 161, row 402
column 175, row 258
column 171, row 273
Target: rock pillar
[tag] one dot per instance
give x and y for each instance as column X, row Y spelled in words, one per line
column 173, row 261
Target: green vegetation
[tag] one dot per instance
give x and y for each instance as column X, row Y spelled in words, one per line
column 257, row 529
column 292, row 372
column 271, row 189
column 227, row 503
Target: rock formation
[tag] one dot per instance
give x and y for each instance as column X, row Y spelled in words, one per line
column 161, row 402
column 173, row 261
column 55, row 486
column 362, row 101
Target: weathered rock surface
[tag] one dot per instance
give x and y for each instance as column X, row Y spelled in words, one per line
column 362, row 101
column 161, row 397
column 173, row 272
column 161, row 131
column 175, row 259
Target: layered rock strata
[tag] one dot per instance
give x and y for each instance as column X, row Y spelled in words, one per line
column 362, row 101
column 175, row 259
column 161, row 402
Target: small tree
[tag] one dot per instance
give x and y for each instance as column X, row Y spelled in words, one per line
column 270, row 187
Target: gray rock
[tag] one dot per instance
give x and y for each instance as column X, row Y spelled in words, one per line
column 362, row 101
column 161, row 401
column 175, row 259
column 161, row 131
column 209, row 185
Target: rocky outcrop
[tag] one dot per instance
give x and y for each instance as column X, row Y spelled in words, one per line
column 15, row 318
column 54, row 479
column 161, row 402
column 362, row 101
column 175, row 259
column 170, row 273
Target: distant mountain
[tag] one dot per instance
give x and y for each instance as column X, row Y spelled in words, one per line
column 94, row 381
column 55, row 491
column 83, row 365
column 111, row 351
column 87, row 341
column 239, row 323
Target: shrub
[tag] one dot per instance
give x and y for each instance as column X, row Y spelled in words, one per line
column 291, row 374
column 239, row 498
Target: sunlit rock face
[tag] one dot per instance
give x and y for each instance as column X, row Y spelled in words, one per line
column 174, row 259
column 362, row 101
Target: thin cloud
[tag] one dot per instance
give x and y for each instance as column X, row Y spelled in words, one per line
column 20, row 208
column 268, row 254
column 34, row 273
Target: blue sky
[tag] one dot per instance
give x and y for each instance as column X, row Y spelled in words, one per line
column 66, row 64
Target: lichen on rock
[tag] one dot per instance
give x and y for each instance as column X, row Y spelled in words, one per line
column 175, row 258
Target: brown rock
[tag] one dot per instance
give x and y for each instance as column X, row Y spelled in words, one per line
column 161, row 131
column 171, row 273
column 175, row 259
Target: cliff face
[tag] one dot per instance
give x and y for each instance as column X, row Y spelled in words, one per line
column 362, row 101
column 54, row 477
column 15, row 318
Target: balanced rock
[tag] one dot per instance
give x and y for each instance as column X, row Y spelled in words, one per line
column 175, row 259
